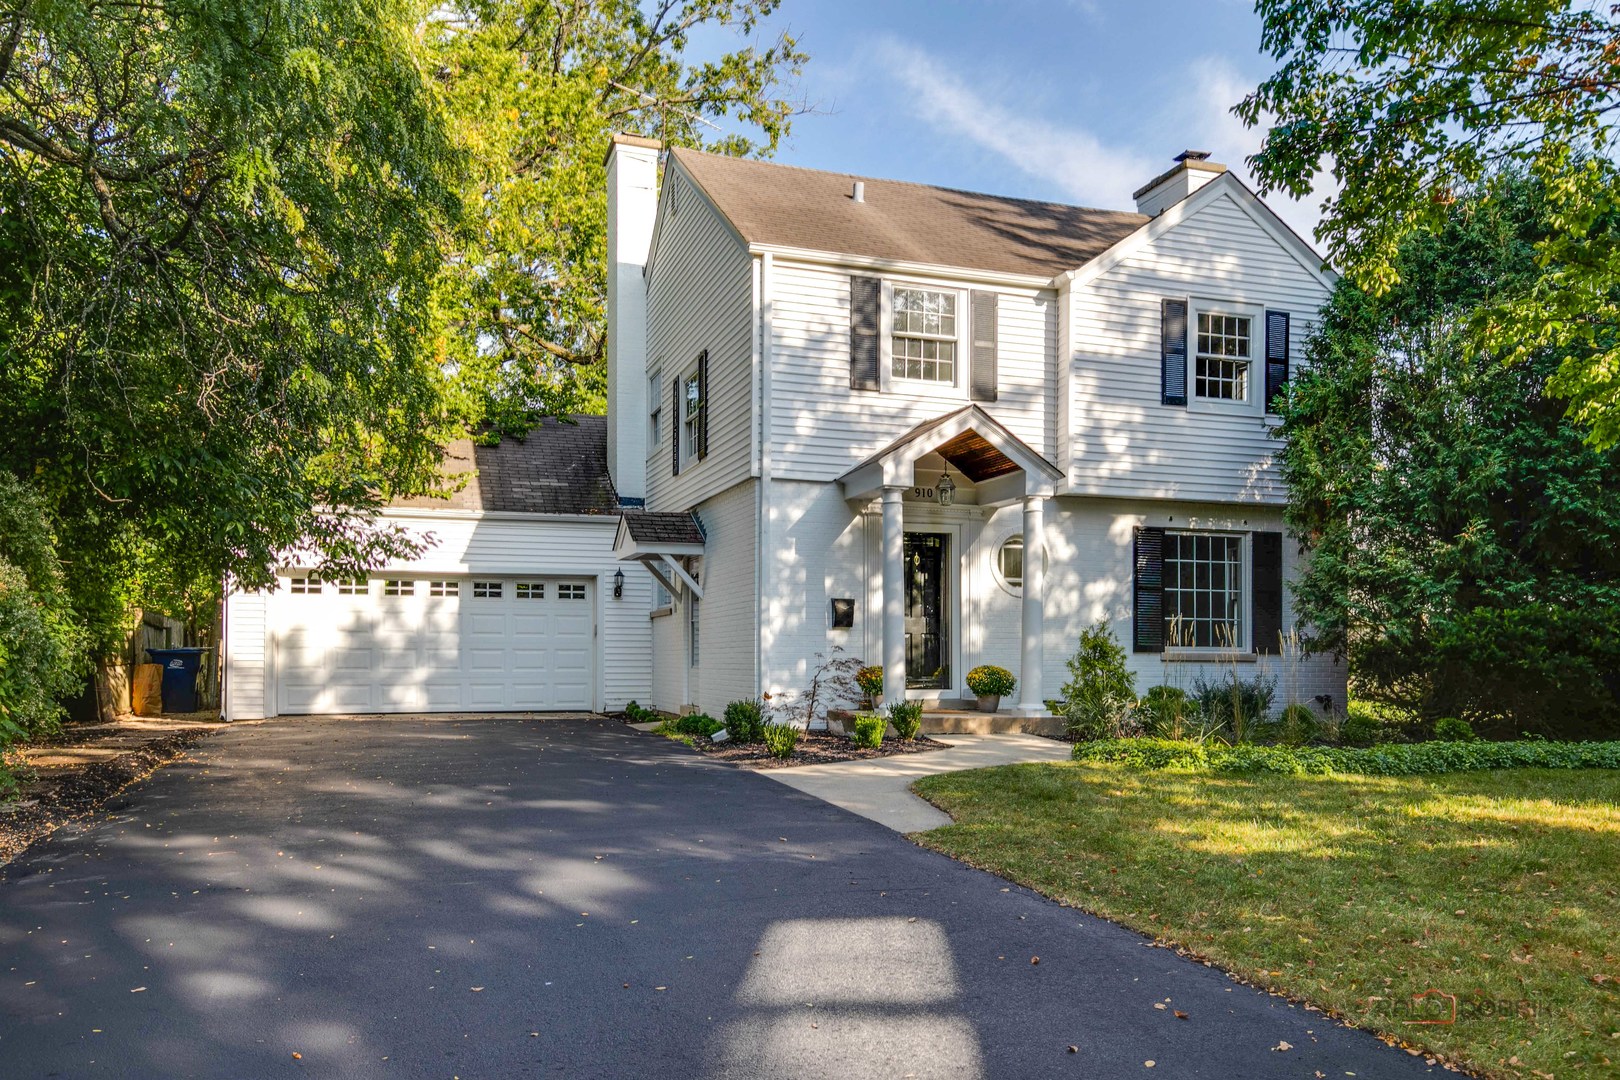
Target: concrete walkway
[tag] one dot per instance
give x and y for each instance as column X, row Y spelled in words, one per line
column 880, row 788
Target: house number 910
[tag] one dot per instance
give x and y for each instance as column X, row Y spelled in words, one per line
column 923, row 493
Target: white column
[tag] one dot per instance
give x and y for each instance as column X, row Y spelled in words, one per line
column 1034, row 621
column 894, row 595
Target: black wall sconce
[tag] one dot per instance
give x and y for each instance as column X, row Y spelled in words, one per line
column 843, row 613
column 618, row 584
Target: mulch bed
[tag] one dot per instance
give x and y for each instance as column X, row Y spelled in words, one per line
column 815, row 748
column 51, row 796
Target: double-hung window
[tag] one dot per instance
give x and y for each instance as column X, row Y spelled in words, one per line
column 691, row 417
column 1222, row 357
column 655, row 414
column 923, row 334
column 1204, row 591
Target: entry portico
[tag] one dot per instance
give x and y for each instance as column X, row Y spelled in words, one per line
column 1004, row 470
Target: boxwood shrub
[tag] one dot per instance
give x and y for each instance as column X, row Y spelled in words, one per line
column 1405, row 759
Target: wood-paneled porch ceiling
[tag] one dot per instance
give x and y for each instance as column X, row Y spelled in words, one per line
column 975, row 458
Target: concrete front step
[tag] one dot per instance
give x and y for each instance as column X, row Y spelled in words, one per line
column 963, row 722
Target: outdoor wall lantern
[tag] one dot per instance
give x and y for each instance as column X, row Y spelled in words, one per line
column 618, row 584
column 843, row 613
column 947, row 489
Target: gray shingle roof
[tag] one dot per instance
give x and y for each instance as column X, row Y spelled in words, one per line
column 558, row 468
column 662, row 528
column 804, row 208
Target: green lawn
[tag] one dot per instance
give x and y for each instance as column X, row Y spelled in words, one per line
column 1353, row 893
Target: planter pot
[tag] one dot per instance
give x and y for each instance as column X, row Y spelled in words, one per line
column 989, row 702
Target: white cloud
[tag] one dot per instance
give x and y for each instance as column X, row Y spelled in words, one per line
column 1082, row 165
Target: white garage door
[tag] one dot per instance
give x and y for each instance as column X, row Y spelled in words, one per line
column 441, row 644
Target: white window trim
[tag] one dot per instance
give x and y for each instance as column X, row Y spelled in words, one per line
column 1245, row 598
column 956, row 391
column 995, row 563
column 655, row 411
column 1251, row 403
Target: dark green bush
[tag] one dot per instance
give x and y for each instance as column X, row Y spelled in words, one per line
column 745, row 720
column 1402, row 759
column 780, row 739
column 697, row 724
column 1239, row 707
column 1298, row 725
column 869, row 729
column 906, row 716
column 1100, row 695
column 1451, row 729
column 1166, row 712
column 1369, row 722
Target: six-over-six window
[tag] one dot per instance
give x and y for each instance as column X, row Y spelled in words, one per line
column 1222, row 358
column 1203, row 591
column 923, row 335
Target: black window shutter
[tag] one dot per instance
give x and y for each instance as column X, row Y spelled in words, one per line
column 1268, row 591
column 703, row 405
column 986, row 308
column 865, row 344
column 675, row 418
column 1173, row 355
column 1148, row 635
column 1276, row 356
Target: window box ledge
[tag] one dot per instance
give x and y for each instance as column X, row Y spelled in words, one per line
column 1209, row 656
column 659, row 613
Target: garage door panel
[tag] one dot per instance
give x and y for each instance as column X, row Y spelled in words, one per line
column 508, row 647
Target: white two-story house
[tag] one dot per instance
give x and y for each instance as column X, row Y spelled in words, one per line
column 932, row 428
column 941, row 429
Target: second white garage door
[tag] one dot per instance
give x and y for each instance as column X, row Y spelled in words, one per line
column 436, row 644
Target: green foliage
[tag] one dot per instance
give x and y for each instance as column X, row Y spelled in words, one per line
column 869, row 730
column 1166, row 712
column 1298, row 725
column 1464, row 541
column 906, row 717
column 1408, row 759
column 1361, row 727
column 639, row 714
column 745, row 720
column 1101, row 691
column 1240, row 708
column 42, row 644
column 870, row 680
column 1451, row 729
column 695, row 724
column 780, row 739
column 1414, row 106
column 536, row 91
column 988, row 680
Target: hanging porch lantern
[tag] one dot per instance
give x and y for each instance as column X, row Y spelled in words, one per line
column 947, row 488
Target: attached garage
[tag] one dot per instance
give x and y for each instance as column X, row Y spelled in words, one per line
column 512, row 606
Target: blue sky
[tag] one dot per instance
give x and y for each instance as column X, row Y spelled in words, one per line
column 1076, row 101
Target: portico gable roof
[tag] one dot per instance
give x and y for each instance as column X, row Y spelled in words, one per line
column 970, row 439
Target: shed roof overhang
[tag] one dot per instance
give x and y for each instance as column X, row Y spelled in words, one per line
column 1004, row 467
column 659, row 542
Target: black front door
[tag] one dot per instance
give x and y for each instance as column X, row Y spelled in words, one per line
column 927, row 664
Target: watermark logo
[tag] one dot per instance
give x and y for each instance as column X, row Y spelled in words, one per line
column 1432, row 1007
column 1436, row 1007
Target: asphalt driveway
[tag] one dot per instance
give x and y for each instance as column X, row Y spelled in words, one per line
column 467, row 898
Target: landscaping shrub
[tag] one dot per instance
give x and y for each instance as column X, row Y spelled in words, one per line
column 988, row 680
column 780, row 739
column 1451, row 729
column 1401, row 759
column 1166, row 712
column 906, row 716
column 638, row 714
column 696, row 724
column 1370, row 722
column 869, row 729
column 1238, row 706
column 1298, row 725
column 870, row 680
column 1101, row 692
column 745, row 720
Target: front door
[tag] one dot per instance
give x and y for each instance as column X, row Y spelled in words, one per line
column 927, row 651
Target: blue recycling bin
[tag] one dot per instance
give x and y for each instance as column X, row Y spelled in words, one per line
column 180, row 667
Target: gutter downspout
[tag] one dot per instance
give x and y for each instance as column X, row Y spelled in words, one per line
column 763, row 332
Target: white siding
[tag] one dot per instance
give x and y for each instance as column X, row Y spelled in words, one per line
column 496, row 545
column 820, row 428
column 700, row 296
column 246, row 658
column 728, row 619
column 1125, row 442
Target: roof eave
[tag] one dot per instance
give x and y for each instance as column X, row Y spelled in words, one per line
column 902, row 266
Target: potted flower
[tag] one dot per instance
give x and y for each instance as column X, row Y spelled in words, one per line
column 990, row 684
column 870, row 680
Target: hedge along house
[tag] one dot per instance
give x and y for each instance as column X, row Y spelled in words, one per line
column 933, row 428
column 940, row 429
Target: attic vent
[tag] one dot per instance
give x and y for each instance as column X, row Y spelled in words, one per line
column 859, row 194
